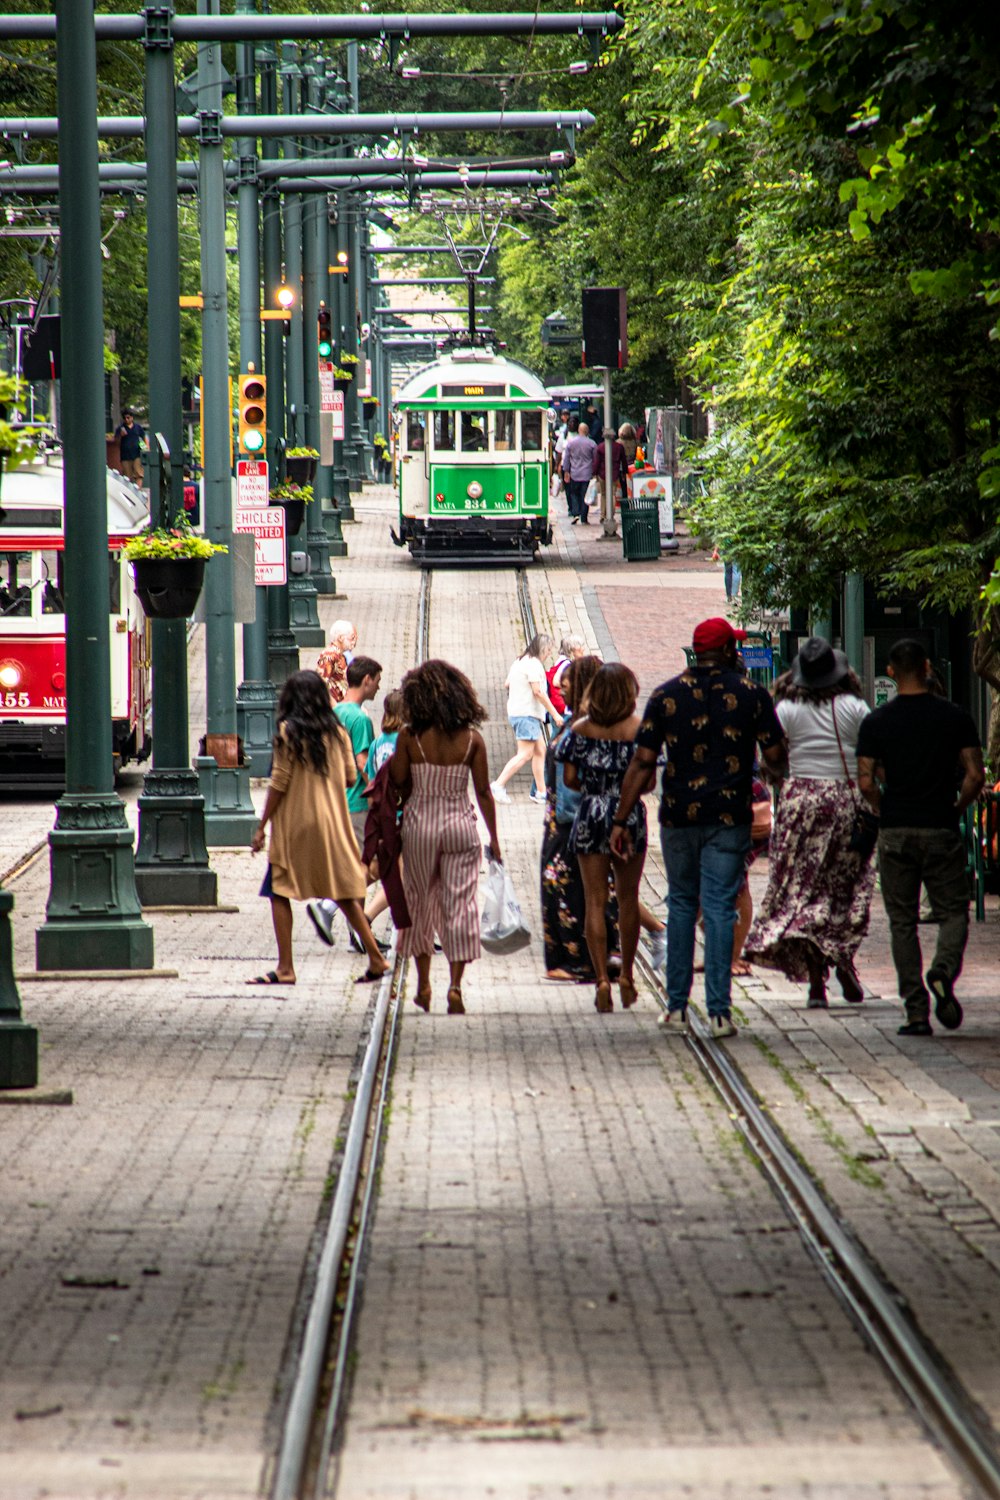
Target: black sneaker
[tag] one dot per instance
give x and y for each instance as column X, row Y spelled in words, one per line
column 946, row 1007
column 915, row 1028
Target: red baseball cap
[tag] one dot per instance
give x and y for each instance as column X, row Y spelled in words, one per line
column 715, row 635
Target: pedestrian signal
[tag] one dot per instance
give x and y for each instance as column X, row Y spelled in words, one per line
column 252, row 413
column 324, row 332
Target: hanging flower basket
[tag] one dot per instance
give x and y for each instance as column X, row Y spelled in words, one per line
column 168, row 588
column 295, row 514
column 301, row 470
column 343, row 382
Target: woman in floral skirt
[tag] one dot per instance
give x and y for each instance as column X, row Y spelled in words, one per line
column 815, row 910
column 563, row 902
column 596, row 752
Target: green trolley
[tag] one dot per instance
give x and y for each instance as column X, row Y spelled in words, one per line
column 472, row 461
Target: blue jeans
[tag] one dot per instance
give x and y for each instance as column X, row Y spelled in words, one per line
column 705, row 866
column 576, row 494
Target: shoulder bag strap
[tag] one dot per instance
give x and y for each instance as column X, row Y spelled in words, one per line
column 843, row 757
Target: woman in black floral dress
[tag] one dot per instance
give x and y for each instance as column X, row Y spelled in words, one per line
column 563, row 901
column 596, row 752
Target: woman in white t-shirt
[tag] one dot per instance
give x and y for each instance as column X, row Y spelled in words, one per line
column 527, row 704
column 819, row 891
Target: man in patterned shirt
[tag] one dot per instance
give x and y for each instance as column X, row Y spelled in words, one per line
column 710, row 720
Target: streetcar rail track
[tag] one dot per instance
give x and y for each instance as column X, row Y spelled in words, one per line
column 313, row 1411
column 946, row 1409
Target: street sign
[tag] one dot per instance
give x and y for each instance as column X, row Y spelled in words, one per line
column 267, row 526
column 251, row 484
column 339, row 428
column 326, row 391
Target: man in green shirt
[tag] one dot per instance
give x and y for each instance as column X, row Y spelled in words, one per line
column 364, row 676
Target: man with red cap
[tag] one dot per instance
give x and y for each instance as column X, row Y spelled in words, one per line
column 711, row 719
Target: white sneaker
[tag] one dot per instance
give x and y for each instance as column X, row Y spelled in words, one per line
column 536, row 796
column 658, row 950
column 674, row 1021
column 322, row 919
column 721, row 1026
column 499, row 792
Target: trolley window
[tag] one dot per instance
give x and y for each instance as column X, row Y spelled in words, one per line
column 531, row 429
column 415, row 431
column 504, row 439
column 15, row 584
column 52, row 595
column 444, row 431
column 475, row 432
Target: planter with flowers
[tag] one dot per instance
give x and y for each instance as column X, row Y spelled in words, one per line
column 168, row 564
column 369, row 406
column 293, row 499
column 300, row 464
column 343, row 375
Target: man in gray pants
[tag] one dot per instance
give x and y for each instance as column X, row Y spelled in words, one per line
column 925, row 752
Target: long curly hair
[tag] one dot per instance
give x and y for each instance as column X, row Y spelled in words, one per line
column 437, row 695
column 308, row 721
column 787, row 690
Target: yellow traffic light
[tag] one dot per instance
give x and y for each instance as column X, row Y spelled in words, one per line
column 252, row 413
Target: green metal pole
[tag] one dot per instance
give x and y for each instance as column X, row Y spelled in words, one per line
column 282, row 652
column 256, row 700
column 854, row 621
column 303, row 613
column 229, row 812
column 354, row 446
column 313, row 211
column 93, row 919
column 338, row 303
column 365, row 348
column 171, row 862
column 327, row 511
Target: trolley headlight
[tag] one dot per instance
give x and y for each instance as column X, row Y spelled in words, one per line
column 10, row 674
column 474, row 490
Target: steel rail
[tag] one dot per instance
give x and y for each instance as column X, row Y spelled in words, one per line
column 300, row 1414
column 947, row 1410
column 126, row 127
column 300, row 1420
column 304, row 28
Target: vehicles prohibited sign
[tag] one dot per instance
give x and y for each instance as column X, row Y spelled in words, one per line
column 267, row 526
column 338, row 417
column 251, row 484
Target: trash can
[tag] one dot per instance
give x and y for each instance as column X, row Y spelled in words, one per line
column 640, row 528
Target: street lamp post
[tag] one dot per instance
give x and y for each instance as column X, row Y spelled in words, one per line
column 92, row 919
column 171, row 862
column 229, row 811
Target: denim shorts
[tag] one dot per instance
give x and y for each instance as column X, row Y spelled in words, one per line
column 526, row 727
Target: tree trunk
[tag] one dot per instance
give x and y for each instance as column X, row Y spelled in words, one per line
column 986, row 664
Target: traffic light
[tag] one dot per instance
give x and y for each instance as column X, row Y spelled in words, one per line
column 324, row 332
column 252, row 412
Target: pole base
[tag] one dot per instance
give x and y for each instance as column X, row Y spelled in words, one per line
column 335, row 537
column 282, row 656
column 303, row 615
column 256, row 708
column 18, row 1055
column 230, row 818
column 318, row 545
column 93, row 919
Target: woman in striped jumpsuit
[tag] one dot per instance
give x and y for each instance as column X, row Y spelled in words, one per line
column 442, row 853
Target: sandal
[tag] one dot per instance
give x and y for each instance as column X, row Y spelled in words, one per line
column 602, row 997
column 372, row 976
column 270, row 978
column 628, row 992
column 456, row 1005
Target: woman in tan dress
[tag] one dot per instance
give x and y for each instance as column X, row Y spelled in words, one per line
column 313, row 851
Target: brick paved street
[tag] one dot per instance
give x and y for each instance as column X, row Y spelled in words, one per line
column 579, row 1282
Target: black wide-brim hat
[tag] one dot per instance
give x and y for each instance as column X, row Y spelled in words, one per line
column 818, row 665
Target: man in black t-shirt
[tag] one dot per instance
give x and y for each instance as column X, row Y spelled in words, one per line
column 916, row 746
column 711, row 720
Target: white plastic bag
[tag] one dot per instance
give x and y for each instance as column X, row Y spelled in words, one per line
column 502, row 928
column 592, row 497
